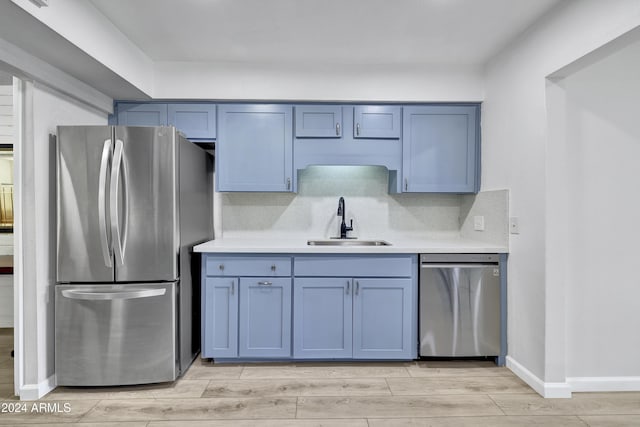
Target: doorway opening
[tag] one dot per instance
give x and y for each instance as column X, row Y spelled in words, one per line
column 11, row 111
column 7, row 141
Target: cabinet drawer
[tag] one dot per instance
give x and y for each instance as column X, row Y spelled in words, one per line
column 354, row 266
column 248, row 266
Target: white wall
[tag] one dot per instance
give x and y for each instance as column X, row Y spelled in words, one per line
column 83, row 25
column 79, row 22
column 602, row 142
column 49, row 109
column 327, row 82
column 515, row 156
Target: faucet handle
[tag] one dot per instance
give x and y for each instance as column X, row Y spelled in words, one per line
column 350, row 227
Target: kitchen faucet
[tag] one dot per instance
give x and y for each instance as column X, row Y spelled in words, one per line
column 343, row 226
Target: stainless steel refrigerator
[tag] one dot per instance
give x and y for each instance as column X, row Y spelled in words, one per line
column 131, row 203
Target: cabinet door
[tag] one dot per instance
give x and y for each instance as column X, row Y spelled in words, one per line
column 440, row 149
column 220, row 320
column 131, row 114
column 265, row 317
column 382, row 319
column 254, row 148
column 322, row 318
column 376, row 121
column 196, row 121
column 318, row 121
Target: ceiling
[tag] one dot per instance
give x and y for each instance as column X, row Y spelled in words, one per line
column 443, row 32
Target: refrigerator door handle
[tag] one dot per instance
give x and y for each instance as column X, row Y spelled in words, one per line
column 119, row 169
column 109, row 296
column 107, row 252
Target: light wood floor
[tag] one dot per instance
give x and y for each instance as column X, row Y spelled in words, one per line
column 320, row 394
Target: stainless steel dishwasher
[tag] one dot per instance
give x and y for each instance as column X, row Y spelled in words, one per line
column 459, row 305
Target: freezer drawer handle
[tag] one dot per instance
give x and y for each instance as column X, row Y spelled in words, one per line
column 97, row 296
column 107, row 253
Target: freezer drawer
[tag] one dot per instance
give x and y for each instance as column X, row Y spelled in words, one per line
column 115, row 334
column 459, row 309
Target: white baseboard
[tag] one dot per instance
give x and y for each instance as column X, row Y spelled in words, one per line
column 596, row 384
column 546, row 390
column 36, row 391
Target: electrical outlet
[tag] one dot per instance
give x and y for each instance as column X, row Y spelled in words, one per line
column 478, row 223
column 514, row 226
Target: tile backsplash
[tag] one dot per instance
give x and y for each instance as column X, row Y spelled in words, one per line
column 312, row 212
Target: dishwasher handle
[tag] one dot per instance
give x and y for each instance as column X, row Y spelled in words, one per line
column 459, row 265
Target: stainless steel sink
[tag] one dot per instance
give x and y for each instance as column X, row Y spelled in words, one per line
column 343, row 242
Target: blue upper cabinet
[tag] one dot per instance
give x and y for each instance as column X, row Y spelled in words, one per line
column 196, row 121
column 441, row 149
column 318, row 121
column 377, row 121
column 254, row 148
column 133, row 114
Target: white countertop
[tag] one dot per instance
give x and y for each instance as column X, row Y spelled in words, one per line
column 299, row 245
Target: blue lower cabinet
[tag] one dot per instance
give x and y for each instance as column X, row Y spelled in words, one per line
column 265, row 317
column 322, row 322
column 254, row 309
column 220, row 317
column 341, row 318
column 382, row 319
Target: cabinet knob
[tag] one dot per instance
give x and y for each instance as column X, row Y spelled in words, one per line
column 273, row 267
column 288, row 183
column 337, row 129
column 358, row 129
column 406, row 184
column 265, row 283
column 348, row 284
column 357, row 287
column 221, row 267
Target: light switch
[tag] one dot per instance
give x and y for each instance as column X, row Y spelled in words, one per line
column 514, row 226
column 478, row 223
